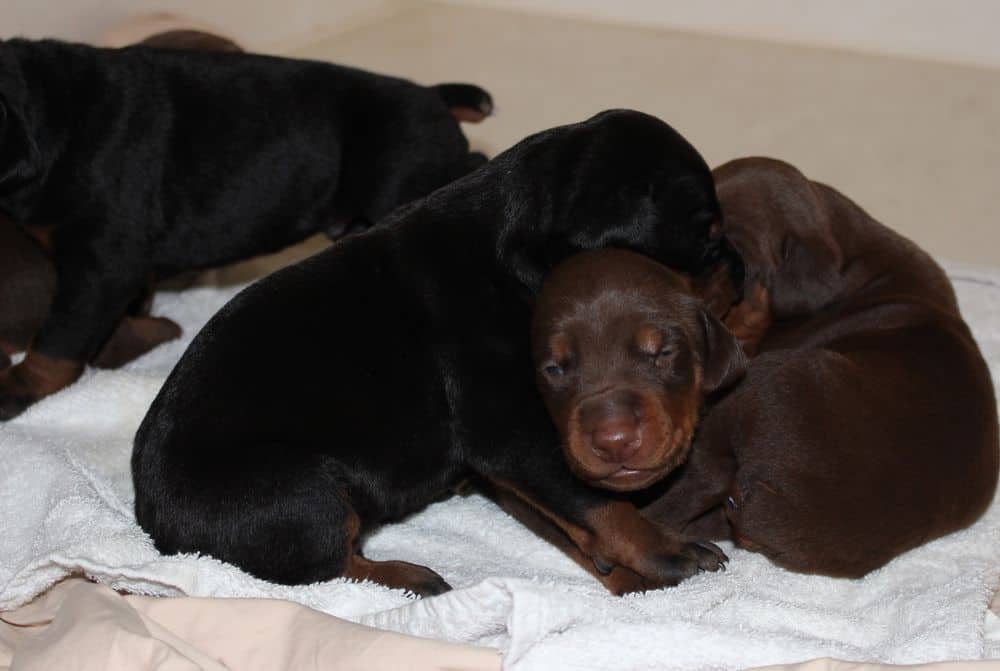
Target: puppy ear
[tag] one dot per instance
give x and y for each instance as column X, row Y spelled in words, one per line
column 808, row 277
column 18, row 151
column 724, row 362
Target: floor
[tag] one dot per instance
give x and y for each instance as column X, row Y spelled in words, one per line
column 915, row 143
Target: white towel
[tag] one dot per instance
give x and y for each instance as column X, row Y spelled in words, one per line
column 66, row 507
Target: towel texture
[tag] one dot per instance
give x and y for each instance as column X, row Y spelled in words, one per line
column 66, row 507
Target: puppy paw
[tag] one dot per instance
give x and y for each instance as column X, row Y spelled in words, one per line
column 620, row 581
column 708, row 555
column 12, row 406
column 399, row 574
column 431, row 585
column 33, row 379
column 15, row 395
column 690, row 558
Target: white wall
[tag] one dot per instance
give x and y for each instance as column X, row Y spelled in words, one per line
column 953, row 31
column 264, row 25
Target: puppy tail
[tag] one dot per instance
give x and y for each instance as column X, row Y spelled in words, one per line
column 467, row 102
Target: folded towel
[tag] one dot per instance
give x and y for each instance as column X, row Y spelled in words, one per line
column 67, row 508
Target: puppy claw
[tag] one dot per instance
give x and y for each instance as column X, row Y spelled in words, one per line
column 432, row 586
column 708, row 555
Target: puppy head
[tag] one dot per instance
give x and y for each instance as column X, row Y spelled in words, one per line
column 783, row 226
column 620, row 179
column 624, row 356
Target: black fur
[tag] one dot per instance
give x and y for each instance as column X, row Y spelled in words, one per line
column 143, row 163
column 379, row 374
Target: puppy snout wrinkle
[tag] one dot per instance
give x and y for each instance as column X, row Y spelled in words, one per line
column 611, row 421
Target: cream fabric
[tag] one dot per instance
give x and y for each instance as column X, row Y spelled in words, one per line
column 82, row 625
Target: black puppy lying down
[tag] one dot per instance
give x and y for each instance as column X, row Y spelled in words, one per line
column 138, row 163
column 358, row 386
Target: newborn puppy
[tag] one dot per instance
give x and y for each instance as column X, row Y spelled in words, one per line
column 141, row 163
column 867, row 421
column 190, row 40
column 384, row 397
column 625, row 357
column 28, row 275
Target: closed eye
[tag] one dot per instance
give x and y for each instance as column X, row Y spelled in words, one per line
column 664, row 356
column 554, row 370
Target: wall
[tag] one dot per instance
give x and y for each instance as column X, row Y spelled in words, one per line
column 951, row 31
column 270, row 25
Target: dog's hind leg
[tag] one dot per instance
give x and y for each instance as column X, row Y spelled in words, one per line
column 399, row 574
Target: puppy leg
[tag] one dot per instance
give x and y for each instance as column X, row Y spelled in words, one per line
column 34, row 378
column 398, row 574
column 95, row 288
column 691, row 500
column 625, row 580
column 610, row 532
column 133, row 337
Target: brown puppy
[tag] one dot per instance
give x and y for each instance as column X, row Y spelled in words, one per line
column 625, row 356
column 191, row 40
column 867, row 422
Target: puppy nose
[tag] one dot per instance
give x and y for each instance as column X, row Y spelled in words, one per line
column 616, row 439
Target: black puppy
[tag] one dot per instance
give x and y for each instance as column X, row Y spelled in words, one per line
column 139, row 163
column 374, row 402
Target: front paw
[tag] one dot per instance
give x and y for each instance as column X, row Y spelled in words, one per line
column 691, row 558
column 15, row 396
column 33, row 379
column 665, row 568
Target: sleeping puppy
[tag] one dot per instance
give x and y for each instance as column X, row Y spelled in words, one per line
column 625, row 356
column 139, row 163
column 380, row 399
column 866, row 424
column 28, row 275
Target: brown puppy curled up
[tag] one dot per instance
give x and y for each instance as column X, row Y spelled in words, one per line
column 866, row 423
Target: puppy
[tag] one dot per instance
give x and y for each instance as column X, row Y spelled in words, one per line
column 190, row 40
column 28, row 275
column 381, row 399
column 625, row 356
column 140, row 163
column 866, row 424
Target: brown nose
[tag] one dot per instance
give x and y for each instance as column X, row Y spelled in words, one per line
column 616, row 439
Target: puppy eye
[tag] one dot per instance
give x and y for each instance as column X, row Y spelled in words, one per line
column 554, row 370
column 664, row 355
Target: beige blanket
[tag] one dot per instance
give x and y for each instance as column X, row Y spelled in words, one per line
column 83, row 625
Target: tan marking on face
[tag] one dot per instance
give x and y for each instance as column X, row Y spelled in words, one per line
column 561, row 348
column 649, row 340
column 750, row 319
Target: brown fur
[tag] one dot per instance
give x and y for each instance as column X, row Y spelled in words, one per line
column 190, row 40
column 624, row 379
column 867, row 422
column 625, row 356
